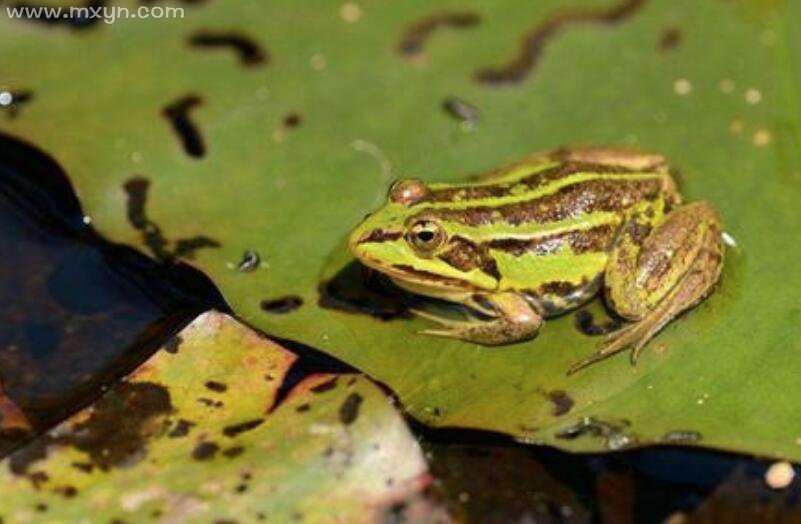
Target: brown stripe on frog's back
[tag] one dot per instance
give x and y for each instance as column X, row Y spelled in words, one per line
column 532, row 180
column 580, row 198
column 594, row 239
column 465, row 255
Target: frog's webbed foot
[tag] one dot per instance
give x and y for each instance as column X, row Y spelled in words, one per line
column 510, row 319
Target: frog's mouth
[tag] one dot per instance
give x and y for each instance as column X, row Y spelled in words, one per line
column 425, row 278
column 385, row 251
column 417, row 280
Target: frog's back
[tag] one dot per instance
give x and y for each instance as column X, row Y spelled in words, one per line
column 534, row 196
column 548, row 225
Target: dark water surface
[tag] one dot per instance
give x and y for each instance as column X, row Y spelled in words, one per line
column 77, row 312
column 495, row 483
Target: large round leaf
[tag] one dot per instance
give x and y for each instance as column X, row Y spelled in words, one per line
column 280, row 142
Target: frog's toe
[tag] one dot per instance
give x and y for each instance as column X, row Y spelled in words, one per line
column 469, row 331
column 442, row 321
column 637, row 347
column 581, row 364
column 482, row 307
column 447, row 327
column 514, row 321
column 634, row 336
column 619, row 333
column 439, row 333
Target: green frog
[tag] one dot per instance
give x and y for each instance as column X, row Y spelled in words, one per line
column 543, row 236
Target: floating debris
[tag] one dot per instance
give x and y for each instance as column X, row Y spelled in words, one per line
column 350, row 12
column 250, row 261
column 779, row 475
column 12, row 101
column 682, row 86
column 461, row 109
column 753, row 96
column 762, row 137
column 611, row 432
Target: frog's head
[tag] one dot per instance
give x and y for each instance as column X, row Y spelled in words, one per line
column 408, row 241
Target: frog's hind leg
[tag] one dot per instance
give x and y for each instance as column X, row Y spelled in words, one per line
column 654, row 276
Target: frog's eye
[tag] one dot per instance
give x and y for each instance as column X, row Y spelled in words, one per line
column 425, row 236
column 409, row 191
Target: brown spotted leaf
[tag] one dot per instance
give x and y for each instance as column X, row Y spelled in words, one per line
column 12, row 419
column 196, row 435
column 255, row 173
column 14, row 425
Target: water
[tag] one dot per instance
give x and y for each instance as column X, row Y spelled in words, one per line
column 76, row 311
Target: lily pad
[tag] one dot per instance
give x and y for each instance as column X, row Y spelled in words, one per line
column 200, row 431
column 174, row 145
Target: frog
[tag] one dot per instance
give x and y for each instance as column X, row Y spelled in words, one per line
column 545, row 235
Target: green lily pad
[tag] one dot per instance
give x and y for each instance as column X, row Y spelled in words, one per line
column 193, row 150
column 199, row 432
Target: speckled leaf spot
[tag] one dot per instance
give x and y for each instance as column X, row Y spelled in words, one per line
column 197, row 436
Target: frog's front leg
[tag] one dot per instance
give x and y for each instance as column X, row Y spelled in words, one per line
column 654, row 276
column 511, row 319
